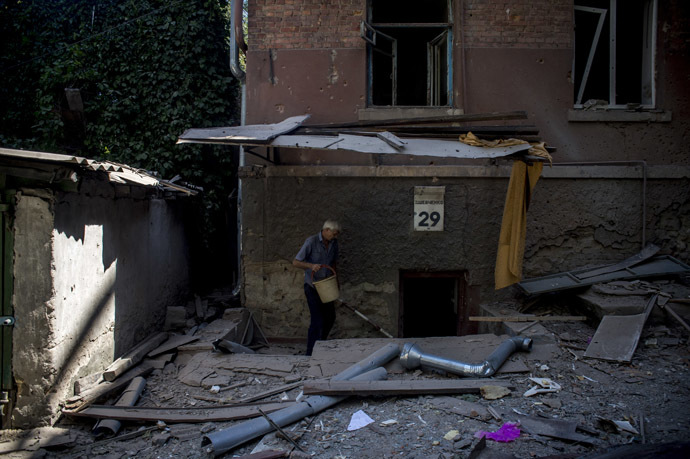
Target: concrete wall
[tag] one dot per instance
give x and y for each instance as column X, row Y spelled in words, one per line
column 602, row 225
column 93, row 276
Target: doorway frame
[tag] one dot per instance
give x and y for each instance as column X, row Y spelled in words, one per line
column 462, row 324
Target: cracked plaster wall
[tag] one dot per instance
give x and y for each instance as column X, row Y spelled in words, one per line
column 572, row 223
column 93, row 276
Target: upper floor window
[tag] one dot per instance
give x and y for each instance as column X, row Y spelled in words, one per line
column 409, row 52
column 614, row 53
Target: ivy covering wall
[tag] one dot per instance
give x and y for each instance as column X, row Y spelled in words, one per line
column 121, row 80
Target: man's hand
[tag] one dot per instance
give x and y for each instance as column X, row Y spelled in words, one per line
column 315, row 267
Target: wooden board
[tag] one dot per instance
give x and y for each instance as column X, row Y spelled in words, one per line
column 173, row 342
column 202, row 414
column 401, row 387
column 333, row 356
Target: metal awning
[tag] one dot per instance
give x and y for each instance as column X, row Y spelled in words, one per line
column 278, row 135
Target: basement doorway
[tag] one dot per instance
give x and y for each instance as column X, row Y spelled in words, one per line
column 431, row 303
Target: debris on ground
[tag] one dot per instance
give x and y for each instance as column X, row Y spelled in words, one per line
column 558, row 399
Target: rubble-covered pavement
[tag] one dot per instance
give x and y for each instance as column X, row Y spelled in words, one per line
column 600, row 404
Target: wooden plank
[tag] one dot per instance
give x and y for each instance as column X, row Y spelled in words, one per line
column 616, row 337
column 133, row 357
column 105, row 388
column 527, row 318
column 514, row 115
column 201, row 414
column 172, row 343
column 401, row 387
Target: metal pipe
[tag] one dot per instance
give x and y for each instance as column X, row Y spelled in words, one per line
column 368, row 369
column 223, row 441
column 412, row 357
column 236, row 40
column 129, row 398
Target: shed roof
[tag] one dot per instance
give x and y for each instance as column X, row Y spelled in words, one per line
column 114, row 172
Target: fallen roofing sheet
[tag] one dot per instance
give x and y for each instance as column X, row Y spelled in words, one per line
column 275, row 135
column 658, row 266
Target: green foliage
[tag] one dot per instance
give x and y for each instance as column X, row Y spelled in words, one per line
column 146, row 70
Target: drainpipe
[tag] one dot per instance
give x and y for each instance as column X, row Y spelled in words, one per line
column 368, row 369
column 237, row 42
column 412, row 357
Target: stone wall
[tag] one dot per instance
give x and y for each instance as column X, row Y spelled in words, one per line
column 93, row 276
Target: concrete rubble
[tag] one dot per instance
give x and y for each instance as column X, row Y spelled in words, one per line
column 559, row 400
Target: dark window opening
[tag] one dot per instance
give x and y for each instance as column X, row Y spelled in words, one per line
column 614, row 53
column 432, row 304
column 409, row 48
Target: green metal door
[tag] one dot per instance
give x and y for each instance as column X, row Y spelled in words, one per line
column 6, row 309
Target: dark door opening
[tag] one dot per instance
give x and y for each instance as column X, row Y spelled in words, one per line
column 431, row 303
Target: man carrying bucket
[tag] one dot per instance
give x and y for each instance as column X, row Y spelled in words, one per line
column 318, row 253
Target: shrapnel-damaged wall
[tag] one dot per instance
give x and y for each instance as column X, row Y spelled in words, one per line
column 111, row 266
column 378, row 240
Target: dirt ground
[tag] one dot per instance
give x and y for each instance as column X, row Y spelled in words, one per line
column 649, row 398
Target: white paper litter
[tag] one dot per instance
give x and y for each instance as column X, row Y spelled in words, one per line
column 359, row 419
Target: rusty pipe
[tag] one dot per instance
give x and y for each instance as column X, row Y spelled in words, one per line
column 412, row 357
column 236, row 40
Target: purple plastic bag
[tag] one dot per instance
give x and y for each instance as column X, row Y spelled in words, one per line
column 508, row 432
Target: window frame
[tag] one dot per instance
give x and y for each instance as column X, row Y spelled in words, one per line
column 369, row 31
column 649, row 30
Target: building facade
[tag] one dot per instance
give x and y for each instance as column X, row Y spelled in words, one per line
column 604, row 81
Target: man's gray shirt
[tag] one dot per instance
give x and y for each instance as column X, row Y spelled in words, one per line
column 314, row 251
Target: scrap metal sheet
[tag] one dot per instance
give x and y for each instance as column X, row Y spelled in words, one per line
column 256, row 134
column 657, row 266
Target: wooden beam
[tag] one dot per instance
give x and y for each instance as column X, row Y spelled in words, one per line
column 527, row 318
column 92, row 394
column 401, row 387
column 515, row 115
column 133, row 357
column 171, row 415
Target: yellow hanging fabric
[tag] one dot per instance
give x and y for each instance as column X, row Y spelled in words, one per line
column 511, row 242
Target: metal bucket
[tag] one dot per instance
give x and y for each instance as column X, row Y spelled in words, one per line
column 326, row 288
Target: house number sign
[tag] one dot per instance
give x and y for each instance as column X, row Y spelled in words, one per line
column 428, row 208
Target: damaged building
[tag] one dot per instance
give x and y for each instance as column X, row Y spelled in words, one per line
column 602, row 82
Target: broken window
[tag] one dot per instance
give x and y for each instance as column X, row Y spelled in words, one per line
column 614, row 53
column 409, row 52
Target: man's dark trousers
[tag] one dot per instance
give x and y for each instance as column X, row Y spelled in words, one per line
column 322, row 317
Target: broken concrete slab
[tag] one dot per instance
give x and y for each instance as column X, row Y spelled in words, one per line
column 204, row 364
column 616, row 337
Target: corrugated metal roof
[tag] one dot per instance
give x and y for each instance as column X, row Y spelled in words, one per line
column 116, row 173
column 279, row 135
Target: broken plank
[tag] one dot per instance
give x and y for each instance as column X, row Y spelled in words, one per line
column 616, row 337
column 401, row 387
column 200, row 414
column 173, row 342
column 133, row 357
column 514, row 115
column 92, row 394
column 675, row 315
column 527, row 318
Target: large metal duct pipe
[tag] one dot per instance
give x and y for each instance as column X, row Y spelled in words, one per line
column 368, row 369
column 412, row 357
